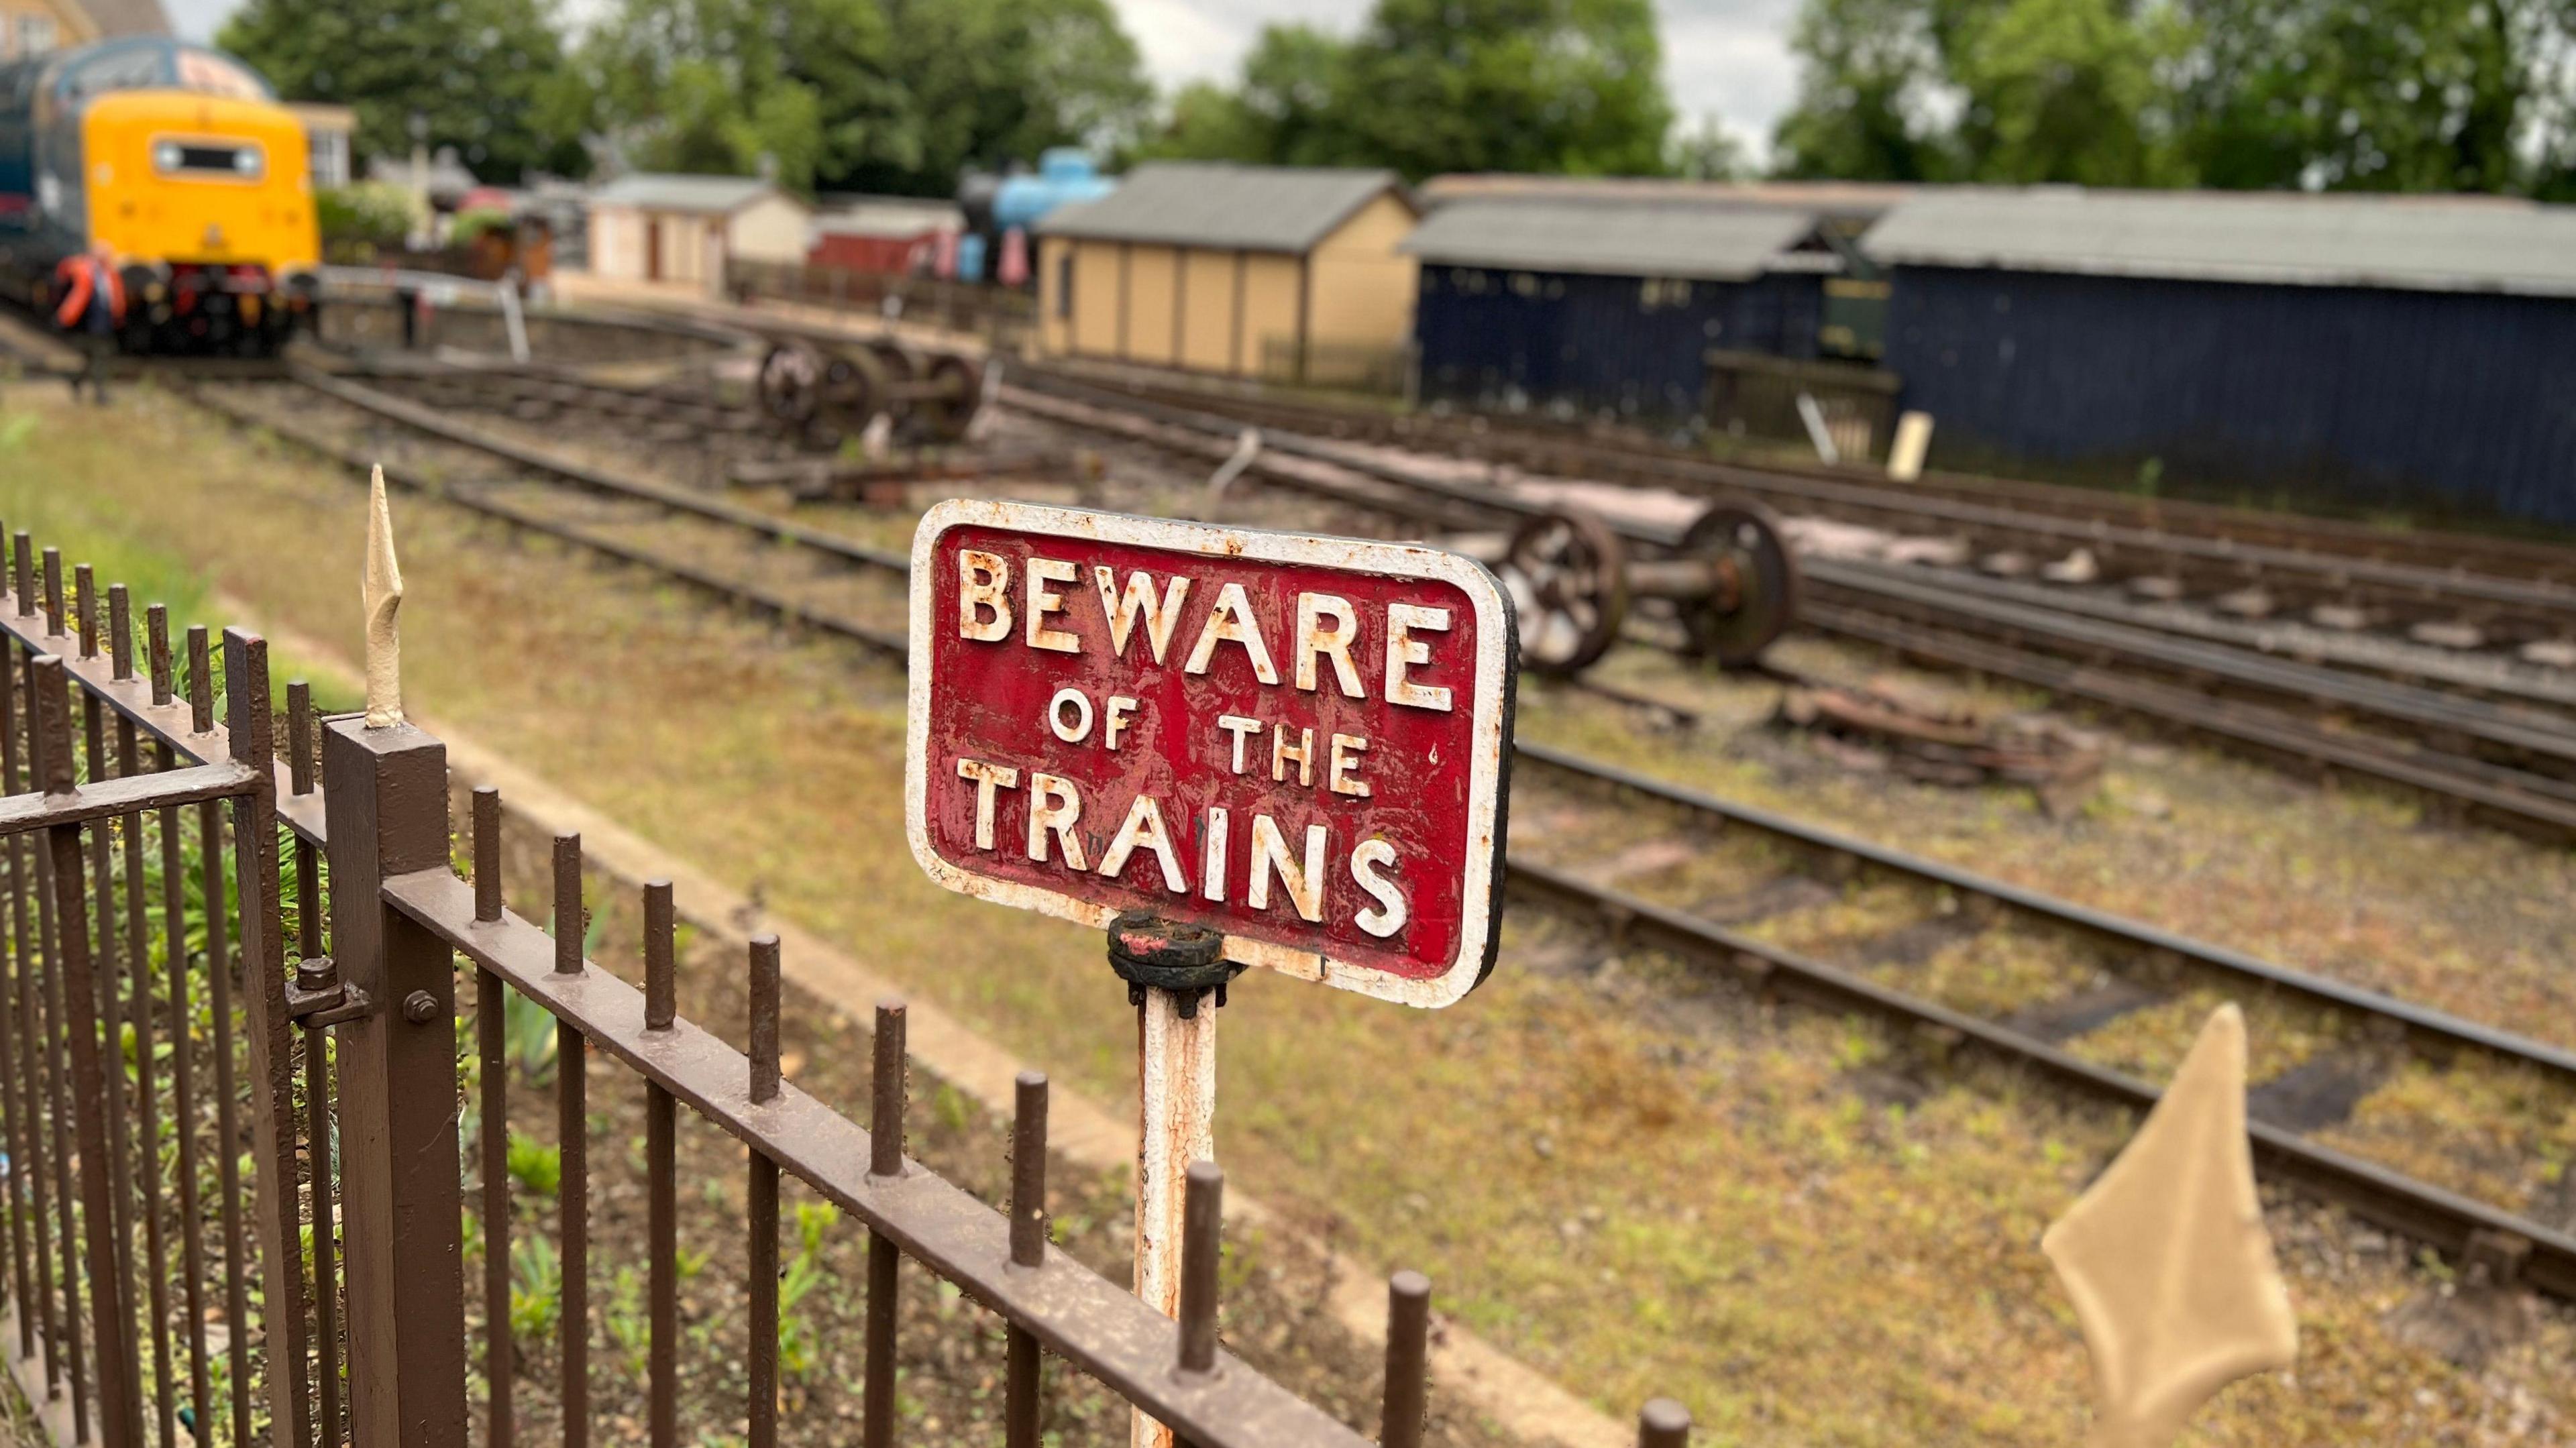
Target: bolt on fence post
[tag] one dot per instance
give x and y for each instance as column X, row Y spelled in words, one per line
column 1663, row 1423
column 1408, row 1354
column 885, row 1162
column 385, row 795
column 1024, row 1366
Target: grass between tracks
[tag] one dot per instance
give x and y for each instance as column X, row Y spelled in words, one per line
column 1631, row 1179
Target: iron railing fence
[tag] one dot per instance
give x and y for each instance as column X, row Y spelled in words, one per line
column 291, row 1132
column 158, row 1205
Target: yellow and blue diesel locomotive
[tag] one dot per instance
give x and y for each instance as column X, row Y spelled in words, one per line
column 177, row 164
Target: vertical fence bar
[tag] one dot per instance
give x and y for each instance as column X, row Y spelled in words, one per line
column 42, row 751
column 661, row 1129
column 253, row 736
column 34, row 1300
column 572, row 1129
column 183, row 1084
column 1202, row 1224
column 112, row 1316
column 108, row 1000
column 53, row 593
column 1408, row 1360
column 147, row 1091
column 385, row 796
column 885, row 1159
column 500, row 1355
column 764, row 1080
column 1663, row 1424
column 1023, row 1383
column 491, row 1030
column 309, row 908
column 219, row 987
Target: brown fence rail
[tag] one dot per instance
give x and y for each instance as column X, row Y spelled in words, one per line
column 329, row 1303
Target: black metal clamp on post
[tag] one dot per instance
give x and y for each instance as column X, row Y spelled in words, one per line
column 1187, row 960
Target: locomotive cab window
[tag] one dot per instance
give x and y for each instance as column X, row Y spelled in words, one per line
column 209, row 160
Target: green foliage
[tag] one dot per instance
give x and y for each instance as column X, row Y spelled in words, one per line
column 362, row 217
column 1572, row 86
column 529, row 1038
column 536, row 1288
column 535, row 1165
column 2415, row 95
column 470, row 224
column 881, row 95
column 486, row 76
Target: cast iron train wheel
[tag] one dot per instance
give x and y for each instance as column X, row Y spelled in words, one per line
column 945, row 418
column 791, row 383
column 1757, row 595
column 1568, row 575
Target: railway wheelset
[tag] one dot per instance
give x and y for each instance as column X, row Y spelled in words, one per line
column 828, row 390
column 1731, row 580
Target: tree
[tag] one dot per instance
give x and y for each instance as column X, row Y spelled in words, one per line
column 1868, row 69
column 893, row 96
column 485, row 76
column 1710, row 153
column 2064, row 91
column 2413, row 95
column 1570, row 86
column 1282, row 113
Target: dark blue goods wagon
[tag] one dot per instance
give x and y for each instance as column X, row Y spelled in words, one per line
column 2369, row 352
column 1586, row 306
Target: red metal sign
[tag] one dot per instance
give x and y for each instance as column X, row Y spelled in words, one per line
column 1300, row 741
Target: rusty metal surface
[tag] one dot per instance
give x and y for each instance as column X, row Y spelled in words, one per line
column 1093, row 1324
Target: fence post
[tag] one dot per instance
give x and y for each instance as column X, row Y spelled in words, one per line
column 385, row 792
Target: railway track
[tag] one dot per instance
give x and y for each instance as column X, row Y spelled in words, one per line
column 1572, row 451
column 2342, row 1117
column 2399, row 610
column 2510, row 764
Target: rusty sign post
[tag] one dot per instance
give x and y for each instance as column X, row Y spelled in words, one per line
column 1226, row 748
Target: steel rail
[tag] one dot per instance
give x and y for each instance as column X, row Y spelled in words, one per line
column 2321, row 540
column 2432, row 1214
column 2522, row 797
column 2420, row 1209
column 2425, row 1021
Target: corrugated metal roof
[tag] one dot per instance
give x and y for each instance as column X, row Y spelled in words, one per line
column 1841, row 199
column 2434, row 243
column 1611, row 238
column 1194, row 203
column 657, row 192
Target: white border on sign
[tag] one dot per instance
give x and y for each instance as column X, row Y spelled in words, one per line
column 1480, row 870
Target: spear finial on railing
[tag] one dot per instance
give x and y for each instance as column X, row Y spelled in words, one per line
column 2167, row 1258
column 383, row 594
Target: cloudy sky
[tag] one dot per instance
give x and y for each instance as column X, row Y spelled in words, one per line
column 1727, row 58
